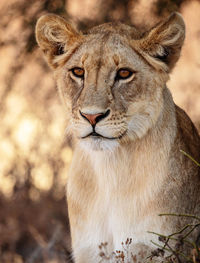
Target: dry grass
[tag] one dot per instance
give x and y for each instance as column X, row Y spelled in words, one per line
column 177, row 247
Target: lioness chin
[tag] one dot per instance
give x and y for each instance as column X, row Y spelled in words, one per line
column 127, row 166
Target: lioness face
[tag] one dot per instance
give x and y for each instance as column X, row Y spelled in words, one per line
column 111, row 80
column 116, row 83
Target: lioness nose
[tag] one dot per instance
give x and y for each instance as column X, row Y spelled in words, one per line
column 94, row 118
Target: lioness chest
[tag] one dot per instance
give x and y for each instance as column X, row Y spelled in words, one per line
column 121, row 200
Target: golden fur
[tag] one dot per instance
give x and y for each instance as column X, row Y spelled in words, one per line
column 121, row 180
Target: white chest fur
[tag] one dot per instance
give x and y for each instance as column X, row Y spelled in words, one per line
column 124, row 206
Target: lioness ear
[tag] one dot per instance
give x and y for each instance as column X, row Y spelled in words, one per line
column 56, row 37
column 161, row 45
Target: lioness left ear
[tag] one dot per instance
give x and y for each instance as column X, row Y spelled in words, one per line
column 161, row 45
column 55, row 36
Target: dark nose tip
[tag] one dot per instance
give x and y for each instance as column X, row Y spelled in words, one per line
column 94, row 118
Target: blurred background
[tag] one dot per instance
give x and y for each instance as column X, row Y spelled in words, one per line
column 34, row 152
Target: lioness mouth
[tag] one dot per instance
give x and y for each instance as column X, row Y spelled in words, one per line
column 95, row 134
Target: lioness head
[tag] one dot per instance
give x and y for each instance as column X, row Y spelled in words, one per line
column 111, row 78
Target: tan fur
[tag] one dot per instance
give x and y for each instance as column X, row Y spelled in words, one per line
column 119, row 183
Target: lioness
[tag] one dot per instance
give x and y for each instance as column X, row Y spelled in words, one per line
column 127, row 166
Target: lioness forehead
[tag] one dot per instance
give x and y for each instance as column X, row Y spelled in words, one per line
column 108, row 38
column 104, row 48
column 106, row 44
column 116, row 28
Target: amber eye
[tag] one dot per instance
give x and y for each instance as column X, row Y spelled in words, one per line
column 78, row 72
column 124, row 73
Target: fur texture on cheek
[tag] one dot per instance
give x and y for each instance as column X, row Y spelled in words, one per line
column 143, row 116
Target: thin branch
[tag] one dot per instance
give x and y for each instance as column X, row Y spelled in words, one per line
column 180, row 215
column 173, row 238
column 170, row 250
column 178, row 232
column 190, row 157
column 189, row 232
column 157, row 245
column 177, row 253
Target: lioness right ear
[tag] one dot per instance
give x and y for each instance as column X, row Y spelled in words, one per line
column 161, row 46
column 56, row 37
